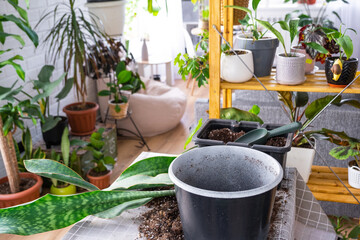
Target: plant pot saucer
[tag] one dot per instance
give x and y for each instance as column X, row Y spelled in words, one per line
column 83, row 133
column 289, row 83
column 336, row 86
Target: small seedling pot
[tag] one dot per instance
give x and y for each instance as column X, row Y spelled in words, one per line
column 347, row 75
column 232, row 69
column 354, row 175
column 290, row 70
column 225, row 192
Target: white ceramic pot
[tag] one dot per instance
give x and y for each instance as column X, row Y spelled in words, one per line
column 309, row 62
column 302, row 159
column 290, row 70
column 354, row 175
column 232, row 69
column 111, row 14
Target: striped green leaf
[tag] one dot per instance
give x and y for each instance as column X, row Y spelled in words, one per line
column 142, row 182
column 53, row 169
column 54, row 212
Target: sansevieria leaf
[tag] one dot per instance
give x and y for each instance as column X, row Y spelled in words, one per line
column 54, row 212
column 53, row 169
column 141, row 182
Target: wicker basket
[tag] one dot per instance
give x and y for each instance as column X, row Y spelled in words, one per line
column 238, row 15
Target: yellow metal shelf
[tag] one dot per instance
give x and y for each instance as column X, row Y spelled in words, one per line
column 314, row 83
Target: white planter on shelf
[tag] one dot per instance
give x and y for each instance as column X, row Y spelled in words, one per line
column 302, row 159
column 353, row 175
column 232, row 69
column 290, row 70
column 111, row 15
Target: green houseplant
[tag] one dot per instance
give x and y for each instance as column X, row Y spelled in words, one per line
column 13, row 111
column 126, row 80
column 72, row 36
column 252, row 38
column 100, row 174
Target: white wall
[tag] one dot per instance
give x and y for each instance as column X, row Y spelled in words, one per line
column 34, row 59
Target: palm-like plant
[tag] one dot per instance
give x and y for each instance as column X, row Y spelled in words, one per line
column 72, row 36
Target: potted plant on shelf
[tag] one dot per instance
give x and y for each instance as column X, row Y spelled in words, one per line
column 263, row 47
column 100, row 174
column 299, row 109
column 290, row 68
column 232, row 69
column 125, row 81
column 348, row 147
column 66, row 38
column 13, row 111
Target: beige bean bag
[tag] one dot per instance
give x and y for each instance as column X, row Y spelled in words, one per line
column 155, row 110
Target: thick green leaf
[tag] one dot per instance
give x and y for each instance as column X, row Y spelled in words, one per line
column 346, row 44
column 53, row 169
column 149, row 166
column 54, row 212
column 240, row 8
column 124, row 76
column 343, row 153
column 293, row 27
column 198, row 126
column 255, row 4
column 268, row 26
column 255, row 109
column 65, row 146
column 120, row 67
column 301, row 99
column 109, row 160
column 45, row 73
column 66, row 89
column 239, row 115
column 116, row 211
column 316, row 106
column 142, row 182
column 317, row 47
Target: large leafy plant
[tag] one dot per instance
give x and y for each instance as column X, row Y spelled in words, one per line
column 12, row 110
column 300, row 109
column 72, row 36
column 123, row 194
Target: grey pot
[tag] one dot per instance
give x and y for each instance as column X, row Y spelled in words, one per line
column 225, row 192
column 263, row 52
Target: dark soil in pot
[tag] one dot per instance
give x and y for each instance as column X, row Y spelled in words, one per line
column 238, row 52
column 80, row 107
column 25, row 183
column 226, row 135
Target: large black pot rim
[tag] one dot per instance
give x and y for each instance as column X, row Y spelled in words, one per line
column 270, row 161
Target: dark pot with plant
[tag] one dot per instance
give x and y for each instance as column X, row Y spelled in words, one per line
column 76, row 49
column 125, row 81
column 263, row 47
column 100, row 174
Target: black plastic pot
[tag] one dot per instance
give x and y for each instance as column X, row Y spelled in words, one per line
column 53, row 136
column 348, row 72
column 263, row 51
column 279, row 153
column 225, row 192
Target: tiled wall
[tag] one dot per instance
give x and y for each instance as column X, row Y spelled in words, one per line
column 34, row 59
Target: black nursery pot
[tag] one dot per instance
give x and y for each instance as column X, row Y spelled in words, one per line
column 279, row 153
column 225, row 192
column 53, row 136
column 348, row 71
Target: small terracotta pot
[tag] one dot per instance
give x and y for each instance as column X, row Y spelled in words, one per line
column 123, row 110
column 68, row 190
column 82, row 122
column 8, row 200
column 100, row 181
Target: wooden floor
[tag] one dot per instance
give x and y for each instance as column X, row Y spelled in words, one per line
column 169, row 142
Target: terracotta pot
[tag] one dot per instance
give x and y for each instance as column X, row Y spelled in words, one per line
column 8, row 200
column 68, row 190
column 100, row 181
column 82, row 122
column 118, row 115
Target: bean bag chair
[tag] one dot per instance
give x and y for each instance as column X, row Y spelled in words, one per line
column 155, row 110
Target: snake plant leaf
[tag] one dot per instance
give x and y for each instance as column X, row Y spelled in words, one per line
column 239, row 115
column 142, row 182
column 150, row 166
column 65, row 146
column 116, row 211
column 54, row 212
column 53, row 169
